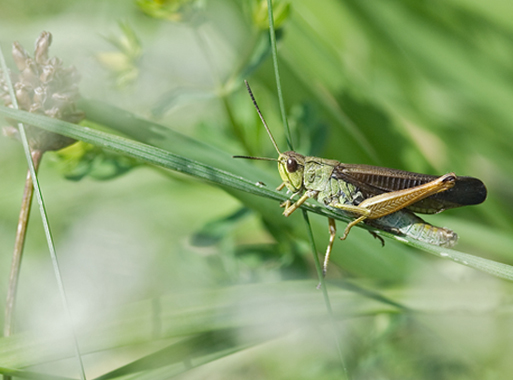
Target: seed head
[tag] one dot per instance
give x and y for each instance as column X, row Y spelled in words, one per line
column 45, row 87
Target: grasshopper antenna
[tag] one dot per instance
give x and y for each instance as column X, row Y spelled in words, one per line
column 261, row 116
column 257, row 158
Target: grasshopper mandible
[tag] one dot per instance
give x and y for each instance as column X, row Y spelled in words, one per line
column 381, row 197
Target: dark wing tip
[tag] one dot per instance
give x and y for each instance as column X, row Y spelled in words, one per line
column 467, row 191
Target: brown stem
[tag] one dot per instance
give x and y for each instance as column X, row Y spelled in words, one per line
column 18, row 247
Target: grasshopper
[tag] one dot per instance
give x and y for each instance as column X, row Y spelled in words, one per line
column 380, row 197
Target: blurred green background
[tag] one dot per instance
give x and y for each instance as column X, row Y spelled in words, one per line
column 199, row 282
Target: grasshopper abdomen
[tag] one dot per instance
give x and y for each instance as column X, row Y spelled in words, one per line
column 406, row 223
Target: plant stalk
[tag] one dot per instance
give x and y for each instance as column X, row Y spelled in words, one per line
column 19, row 243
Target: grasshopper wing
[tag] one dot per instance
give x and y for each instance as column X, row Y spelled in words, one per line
column 374, row 180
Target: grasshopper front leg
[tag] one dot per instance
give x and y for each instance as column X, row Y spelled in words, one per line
column 291, row 207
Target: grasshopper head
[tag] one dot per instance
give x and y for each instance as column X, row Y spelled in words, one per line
column 291, row 166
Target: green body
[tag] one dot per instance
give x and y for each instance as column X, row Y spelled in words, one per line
column 318, row 175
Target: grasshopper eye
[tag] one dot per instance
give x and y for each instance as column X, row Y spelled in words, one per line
column 291, row 165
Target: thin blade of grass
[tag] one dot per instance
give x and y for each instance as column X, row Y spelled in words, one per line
column 274, row 51
column 324, row 289
column 320, row 274
column 225, row 179
column 31, row 374
column 189, row 351
column 190, row 315
column 193, row 314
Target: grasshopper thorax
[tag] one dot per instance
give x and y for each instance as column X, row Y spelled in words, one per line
column 291, row 166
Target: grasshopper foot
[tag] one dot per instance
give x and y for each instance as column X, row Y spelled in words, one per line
column 376, row 236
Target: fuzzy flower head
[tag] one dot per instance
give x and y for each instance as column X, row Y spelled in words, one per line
column 42, row 86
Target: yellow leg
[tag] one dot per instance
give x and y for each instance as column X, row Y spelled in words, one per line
column 290, row 208
column 333, row 232
column 350, row 225
column 360, row 212
column 286, row 204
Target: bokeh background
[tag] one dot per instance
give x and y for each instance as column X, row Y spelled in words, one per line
column 167, row 275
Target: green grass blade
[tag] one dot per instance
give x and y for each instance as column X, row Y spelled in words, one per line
column 198, row 319
column 31, row 375
column 224, row 178
column 305, row 214
column 274, row 51
column 492, row 267
column 327, row 302
column 212, row 344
